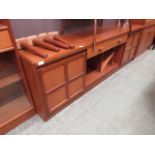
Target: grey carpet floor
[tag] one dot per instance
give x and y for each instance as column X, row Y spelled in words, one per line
column 122, row 104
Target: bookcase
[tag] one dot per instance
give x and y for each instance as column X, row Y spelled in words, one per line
column 15, row 107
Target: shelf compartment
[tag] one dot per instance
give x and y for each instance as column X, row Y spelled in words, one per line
column 95, row 75
column 7, row 64
column 11, row 92
column 15, row 112
column 7, row 49
column 5, row 40
column 11, row 79
column 3, row 27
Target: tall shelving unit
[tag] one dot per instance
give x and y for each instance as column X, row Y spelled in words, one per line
column 15, row 107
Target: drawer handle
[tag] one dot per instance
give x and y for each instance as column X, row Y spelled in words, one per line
column 119, row 41
column 100, row 50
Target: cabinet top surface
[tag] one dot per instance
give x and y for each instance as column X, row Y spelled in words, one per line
column 81, row 40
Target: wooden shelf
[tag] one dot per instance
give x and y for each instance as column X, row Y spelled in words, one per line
column 3, row 27
column 6, row 81
column 94, row 75
column 7, row 49
column 13, row 110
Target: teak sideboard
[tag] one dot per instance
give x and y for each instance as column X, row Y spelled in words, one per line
column 54, row 82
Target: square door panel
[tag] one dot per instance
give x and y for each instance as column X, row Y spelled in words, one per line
column 54, row 77
column 125, row 58
column 76, row 67
column 57, row 98
column 132, row 53
column 136, row 39
column 76, row 86
column 129, row 42
column 5, row 40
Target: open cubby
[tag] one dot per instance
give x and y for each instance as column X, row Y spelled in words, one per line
column 103, row 64
column 7, row 64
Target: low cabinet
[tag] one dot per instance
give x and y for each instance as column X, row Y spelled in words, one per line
column 58, row 83
column 131, row 47
column 146, row 40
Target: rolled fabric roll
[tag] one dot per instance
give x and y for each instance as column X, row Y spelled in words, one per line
column 56, row 42
column 63, row 41
column 45, row 45
column 33, row 49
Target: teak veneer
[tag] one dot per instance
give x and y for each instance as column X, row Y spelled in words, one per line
column 52, row 83
column 15, row 106
column 57, row 80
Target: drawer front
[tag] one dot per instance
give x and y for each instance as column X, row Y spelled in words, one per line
column 76, row 86
column 106, row 45
column 102, row 47
column 57, row 98
column 5, row 40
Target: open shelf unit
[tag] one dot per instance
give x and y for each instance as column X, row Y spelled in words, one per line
column 96, row 75
column 15, row 107
column 102, row 65
column 11, row 79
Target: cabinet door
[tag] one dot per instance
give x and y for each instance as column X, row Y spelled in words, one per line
column 142, row 43
column 53, row 76
column 132, row 53
column 76, row 66
column 76, row 86
column 76, row 72
column 57, row 98
column 129, row 42
column 125, row 58
column 150, row 37
column 62, row 80
column 53, row 81
column 136, row 38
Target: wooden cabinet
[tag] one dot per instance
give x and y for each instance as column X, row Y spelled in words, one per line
column 130, row 48
column 58, row 83
column 57, row 80
column 150, row 37
column 146, row 39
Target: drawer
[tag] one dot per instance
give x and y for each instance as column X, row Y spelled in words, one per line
column 5, row 40
column 76, row 86
column 57, row 98
column 106, row 45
